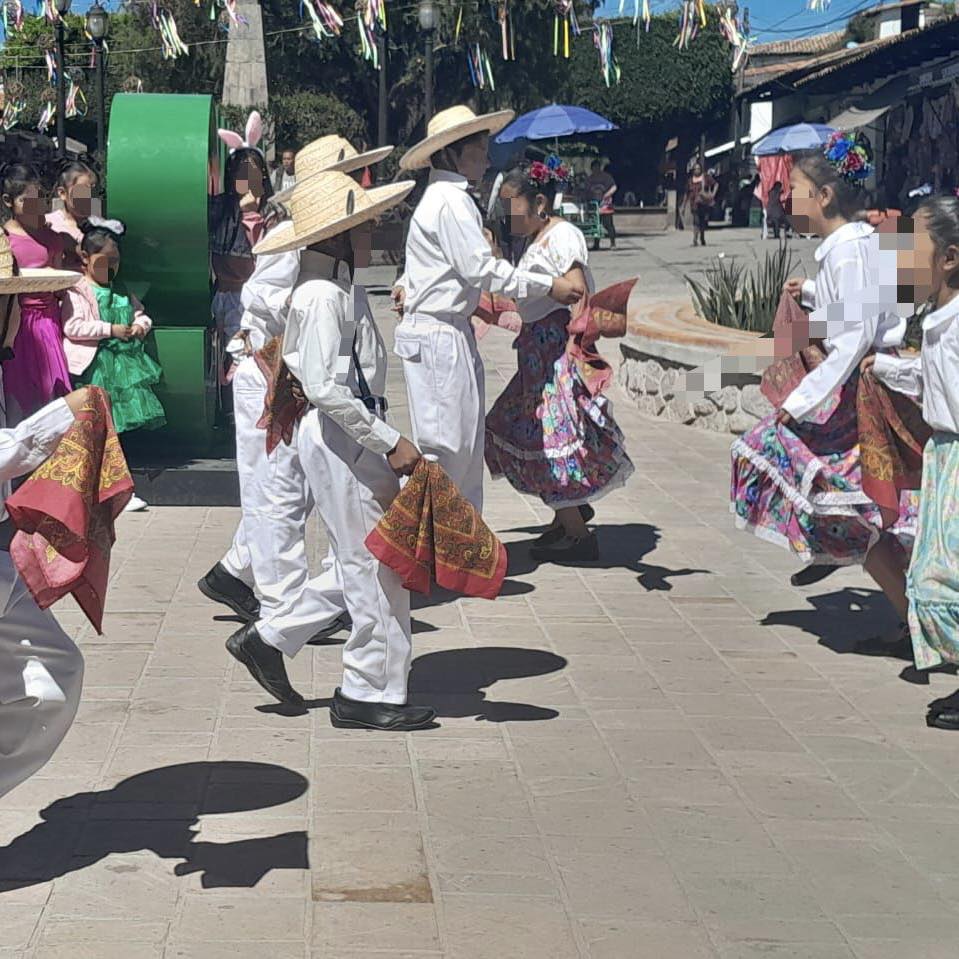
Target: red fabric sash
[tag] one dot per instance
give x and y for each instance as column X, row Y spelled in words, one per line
column 284, row 405
column 432, row 531
column 64, row 513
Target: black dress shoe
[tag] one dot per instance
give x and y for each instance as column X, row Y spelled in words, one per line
column 812, row 574
column 353, row 714
column 223, row 587
column 265, row 664
column 944, row 719
column 568, row 550
column 556, row 533
column 322, row 637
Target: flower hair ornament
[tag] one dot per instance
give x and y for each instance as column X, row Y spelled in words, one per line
column 251, row 137
column 849, row 158
column 112, row 226
column 552, row 171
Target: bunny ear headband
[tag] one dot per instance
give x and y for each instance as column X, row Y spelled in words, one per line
column 254, row 130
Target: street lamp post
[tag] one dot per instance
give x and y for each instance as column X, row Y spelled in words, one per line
column 382, row 130
column 63, row 8
column 98, row 22
column 429, row 15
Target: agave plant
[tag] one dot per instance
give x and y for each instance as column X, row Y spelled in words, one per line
column 731, row 296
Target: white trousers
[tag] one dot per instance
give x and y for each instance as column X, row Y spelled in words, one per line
column 352, row 488
column 446, row 387
column 276, row 502
column 41, row 675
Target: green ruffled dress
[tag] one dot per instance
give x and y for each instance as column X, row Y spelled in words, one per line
column 124, row 369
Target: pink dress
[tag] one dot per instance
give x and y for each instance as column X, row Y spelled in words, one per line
column 38, row 372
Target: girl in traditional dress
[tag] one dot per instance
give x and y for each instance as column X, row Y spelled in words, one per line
column 797, row 476
column 549, row 433
column 38, row 372
column 75, row 186
column 929, row 264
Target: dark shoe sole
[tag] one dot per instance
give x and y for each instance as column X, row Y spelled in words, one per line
column 555, row 533
column 340, row 723
column 227, row 601
column 812, row 575
column 936, row 721
column 235, row 649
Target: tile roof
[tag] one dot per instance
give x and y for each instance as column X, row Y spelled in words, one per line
column 820, row 43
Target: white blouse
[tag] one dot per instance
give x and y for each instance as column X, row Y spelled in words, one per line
column 934, row 374
column 554, row 253
column 843, row 265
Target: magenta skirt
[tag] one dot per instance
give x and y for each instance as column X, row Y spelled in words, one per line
column 38, row 372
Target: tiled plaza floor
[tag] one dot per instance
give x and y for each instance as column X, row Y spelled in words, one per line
column 668, row 755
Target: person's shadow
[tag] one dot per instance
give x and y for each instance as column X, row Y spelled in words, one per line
column 453, row 681
column 156, row 811
column 621, row 546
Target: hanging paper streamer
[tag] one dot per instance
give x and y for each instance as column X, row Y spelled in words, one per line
column 12, row 16
column 732, row 31
column 459, row 25
column 50, row 11
column 14, row 96
column 564, row 23
column 688, row 25
column 371, row 19
column 51, row 62
column 818, row 6
column 173, row 46
column 506, row 30
column 480, row 67
column 76, row 105
column 235, row 19
column 48, row 112
column 701, row 10
column 324, row 18
column 603, row 39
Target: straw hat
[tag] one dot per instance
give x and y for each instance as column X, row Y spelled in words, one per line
column 331, row 153
column 447, row 127
column 326, row 205
column 30, row 281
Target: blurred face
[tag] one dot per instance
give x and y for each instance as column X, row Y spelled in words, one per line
column 102, row 266
column 78, row 196
column 29, row 208
column 920, row 270
column 524, row 218
column 473, row 160
column 807, row 203
column 361, row 239
column 289, row 161
column 697, row 170
column 249, row 179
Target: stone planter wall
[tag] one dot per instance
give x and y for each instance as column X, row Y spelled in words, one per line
column 654, row 377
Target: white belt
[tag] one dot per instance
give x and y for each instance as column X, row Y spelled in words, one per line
column 424, row 321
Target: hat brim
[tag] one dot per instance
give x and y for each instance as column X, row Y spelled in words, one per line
column 418, row 155
column 38, row 281
column 349, row 165
column 286, row 237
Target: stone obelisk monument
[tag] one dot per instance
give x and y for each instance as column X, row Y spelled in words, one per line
column 244, row 79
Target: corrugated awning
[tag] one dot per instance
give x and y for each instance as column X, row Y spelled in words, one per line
column 726, row 147
column 854, row 118
column 871, row 107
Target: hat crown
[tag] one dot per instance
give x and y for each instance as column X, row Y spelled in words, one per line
column 325, row 198
column 6, row 257
column 446, row 119
column 321, row 154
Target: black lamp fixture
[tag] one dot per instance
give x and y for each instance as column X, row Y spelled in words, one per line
column 98, row 24
column 428, row 14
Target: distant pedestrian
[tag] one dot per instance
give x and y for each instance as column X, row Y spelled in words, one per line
column 601, row 188
column 284, row 176
column 700, row 195
column 776, row 212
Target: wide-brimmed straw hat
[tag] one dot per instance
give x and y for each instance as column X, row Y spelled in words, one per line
column 331, row 153
column 326, row 205
column 447, row 127
column 30, row 281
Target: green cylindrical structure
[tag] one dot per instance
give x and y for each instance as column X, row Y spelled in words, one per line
column 163, row 157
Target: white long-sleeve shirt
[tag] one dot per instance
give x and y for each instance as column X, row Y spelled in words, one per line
column 934, row 374
column 864, row 317
column 24, row 447
column 448, row 260
column 266, row 296
column 323, row 318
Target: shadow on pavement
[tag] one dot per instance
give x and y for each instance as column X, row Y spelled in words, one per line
column 156, row 811
column 621, row 546
column 439, row 596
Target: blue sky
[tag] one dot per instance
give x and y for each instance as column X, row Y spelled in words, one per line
column 773, row 19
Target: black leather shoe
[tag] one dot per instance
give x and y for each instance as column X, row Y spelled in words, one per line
column 265, row 664
column 946, row 719
column 812, row 574
column 556, row 533
column 568, row 550
column 223, row 587
column 322, row 637
column 351, row 713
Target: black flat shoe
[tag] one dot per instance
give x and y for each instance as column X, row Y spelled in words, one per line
column 347, row 713
column 944, row 719
column 265, row 664
column 322, row 637
column 556, row 533
column 568, row 550
column 812, row 574
column 223, row 587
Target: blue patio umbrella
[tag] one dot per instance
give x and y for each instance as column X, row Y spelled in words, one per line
column 556, row 120
column 799, row 136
